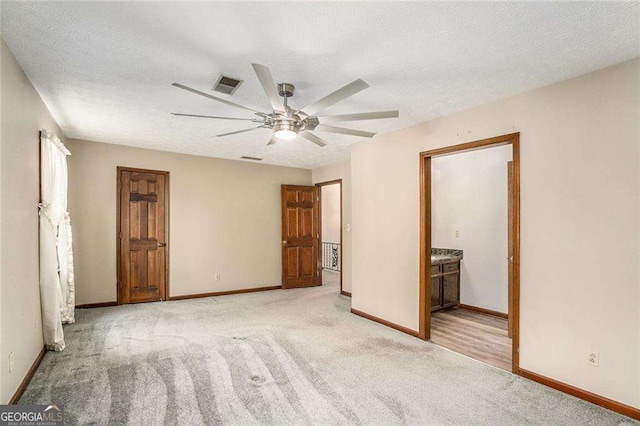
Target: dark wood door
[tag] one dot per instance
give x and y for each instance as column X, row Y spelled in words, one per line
column 300, row 237
column 143, row 235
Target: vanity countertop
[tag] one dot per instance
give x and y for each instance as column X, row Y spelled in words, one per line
column 441, row 255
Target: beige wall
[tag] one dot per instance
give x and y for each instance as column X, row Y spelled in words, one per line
column 579, row 224
column 330, row 219
column 225, row 217
column 23, row 115
column 341, row 171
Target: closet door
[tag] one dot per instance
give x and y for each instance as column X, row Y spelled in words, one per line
column 143, row 235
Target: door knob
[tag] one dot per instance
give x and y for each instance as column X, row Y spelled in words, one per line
column 284, row 242
column 162, row 244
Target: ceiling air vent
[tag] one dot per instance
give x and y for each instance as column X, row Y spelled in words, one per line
column 227, row 85
column 244, row 157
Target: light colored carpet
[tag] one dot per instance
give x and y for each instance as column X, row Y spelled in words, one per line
column 279, row 357
column 331, row 279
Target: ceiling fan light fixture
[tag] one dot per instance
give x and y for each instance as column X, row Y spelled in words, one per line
column 286, row 134
column 285, row 131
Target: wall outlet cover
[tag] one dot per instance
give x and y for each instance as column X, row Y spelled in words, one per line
column 217, row 277
column 593, row 358
column 11, row 363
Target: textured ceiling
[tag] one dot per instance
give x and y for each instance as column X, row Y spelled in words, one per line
column 105, row 69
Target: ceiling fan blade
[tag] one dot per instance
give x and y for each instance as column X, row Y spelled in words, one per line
column 335, row 97
column 214, row 116
column 224, row 101
column 313, row 138
column 239, row 131
column 344, row 131
column 272, row 141
column 269, row 86
column 359, row 116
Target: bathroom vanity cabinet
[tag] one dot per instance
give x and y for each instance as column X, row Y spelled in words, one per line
column 445, row 284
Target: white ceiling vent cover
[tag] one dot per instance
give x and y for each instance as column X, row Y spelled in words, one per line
column 227, row 85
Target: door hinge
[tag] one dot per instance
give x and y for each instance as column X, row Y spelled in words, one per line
column 120, row 284
column 120, row 235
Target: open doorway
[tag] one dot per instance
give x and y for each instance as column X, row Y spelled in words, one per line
column 331, row 233
column 469, row 287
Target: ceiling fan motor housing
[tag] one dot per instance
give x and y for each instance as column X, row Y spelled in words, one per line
column 294, row 126
column 286, row 90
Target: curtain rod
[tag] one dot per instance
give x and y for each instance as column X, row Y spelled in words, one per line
column 56, row 141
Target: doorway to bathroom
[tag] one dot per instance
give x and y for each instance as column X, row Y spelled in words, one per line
column 330, row 253
column 469, row 241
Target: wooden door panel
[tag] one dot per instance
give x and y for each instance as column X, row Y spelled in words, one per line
column 292, row 223
column 134, row 225
column 300, row 236
column 142, row 236
column 292, row 195
column 152, row 230
column 292, row 262
column 152, row 273
column 306, row 224
column 134, row 278
column 144, row 178
column 307, row 261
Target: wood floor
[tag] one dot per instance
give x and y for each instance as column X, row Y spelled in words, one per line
column 474, row 334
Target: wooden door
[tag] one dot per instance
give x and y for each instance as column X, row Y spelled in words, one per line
column 143, row 235
column 300, row 237
column 510, row 247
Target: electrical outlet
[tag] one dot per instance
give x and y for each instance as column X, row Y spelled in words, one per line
column 457, row 234
column 36, row 326
column 11, row 363
column 593, row 358
column 217, row 277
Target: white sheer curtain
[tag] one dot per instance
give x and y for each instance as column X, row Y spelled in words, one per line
column 57, row 294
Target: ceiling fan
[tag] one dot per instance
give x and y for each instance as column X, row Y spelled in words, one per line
column 288, row 123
